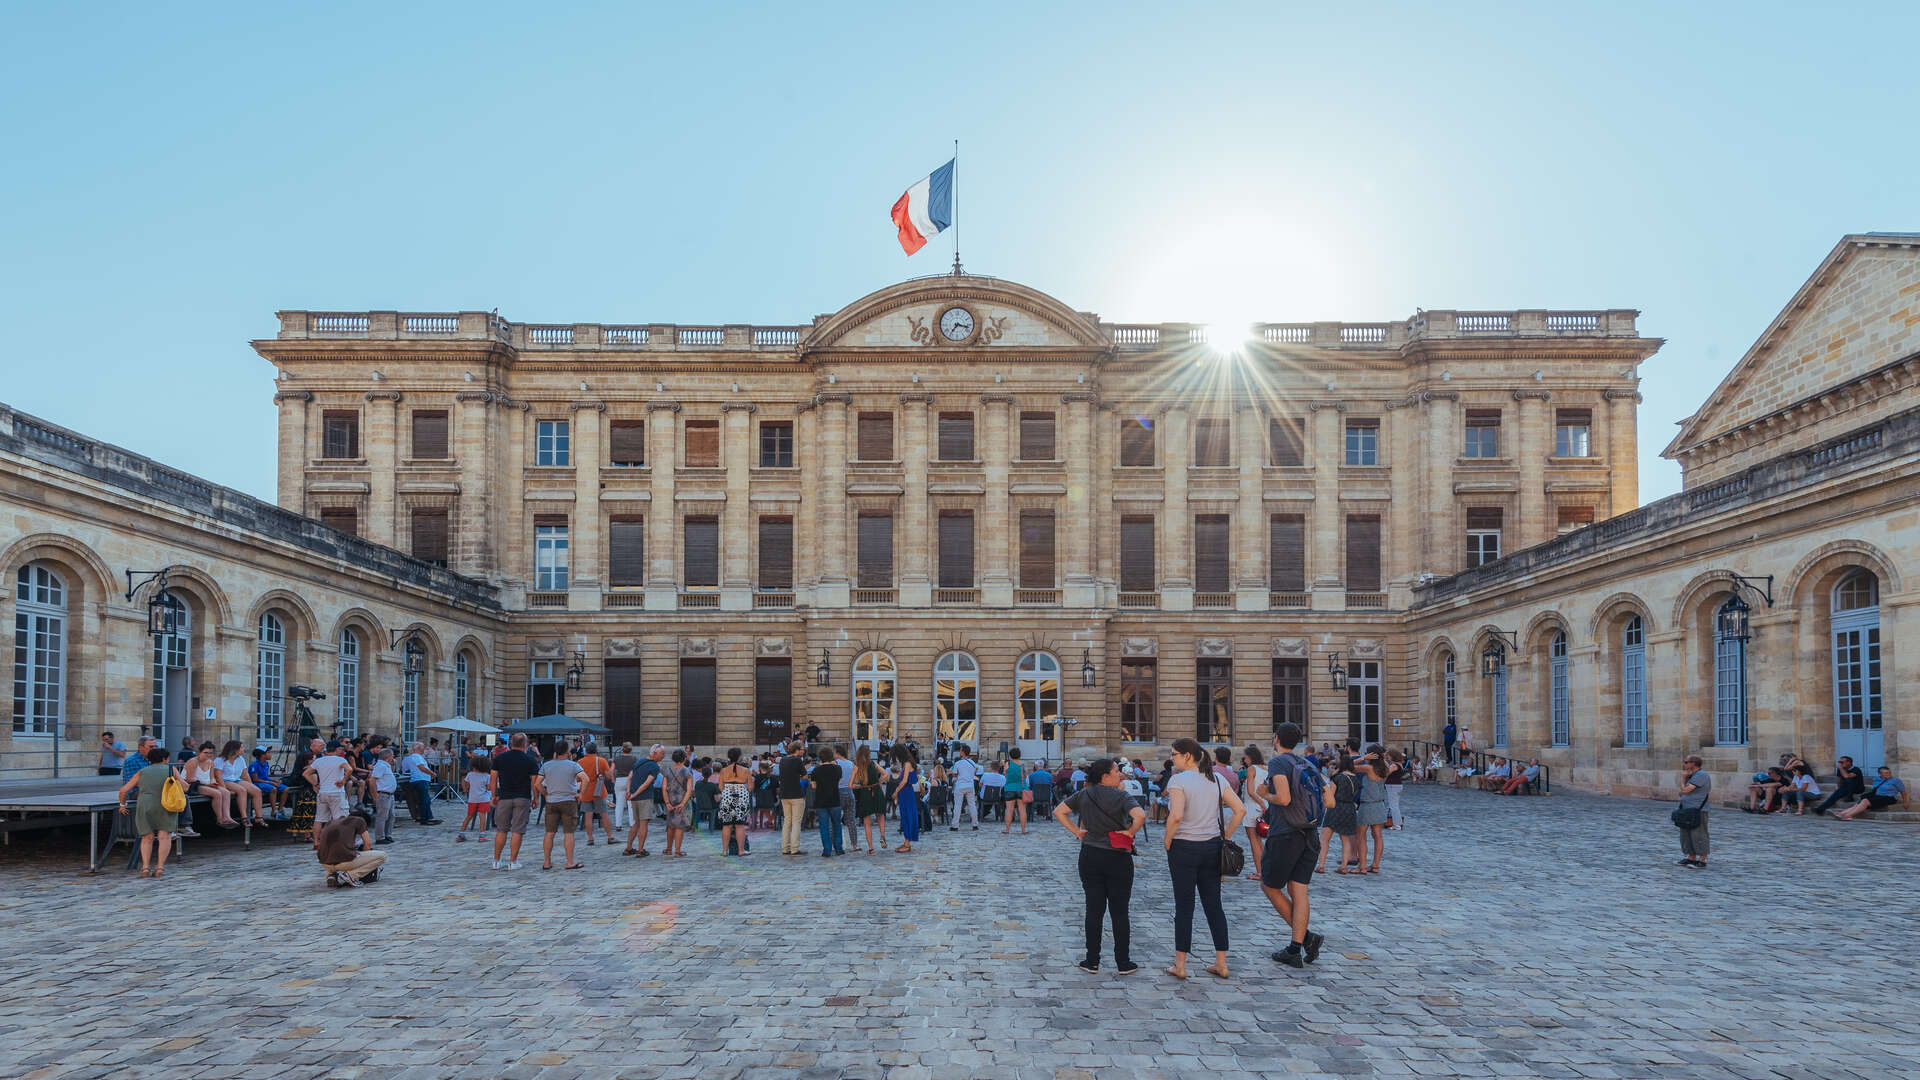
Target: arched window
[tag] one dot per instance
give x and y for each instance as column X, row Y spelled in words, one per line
column 873, row 678
column 415, row 660
column 462, row 671
column 346, row 699
column 270, row 678
column 172, row 681
column 1858, row 725
column 1729, row 683
column 1633, row 682
column 956, row 698
column 1037, row 691
column 1562, row 698
column 39, row 651
column 1451, row 693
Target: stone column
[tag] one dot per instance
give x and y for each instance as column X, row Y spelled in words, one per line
column 472, row 545
column 1249, row 514
column 916, row 562
column 585, row 548
column 513, row 531
column 294, row 453
column 993, row 534
column 834, row 589
column 1444, row 551
column 1623, row 451
column 1078, row 578
column 1536, row 442
column 806, row 524
column 1900, row 627
column 1402, row 538
column 736, row 523
column 663, row 578
column 1106, row 528
column 1176, row 522
column 380, row 443
column 1328, row 591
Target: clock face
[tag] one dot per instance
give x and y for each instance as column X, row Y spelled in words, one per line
column 956, row 324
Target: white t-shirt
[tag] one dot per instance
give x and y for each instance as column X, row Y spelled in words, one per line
column 1200, row 814
column 477, row 787
column 234, row 772
column 383, row 778
column 1805, row 782
column 1133, row 787
column 332, row 771
column 1257, row 777
column 965, row 772
column 995, row 779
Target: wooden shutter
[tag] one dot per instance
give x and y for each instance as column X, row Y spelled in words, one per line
column 1136, row 442
column 1573, row 416
column 621, row 707
column 1483, row 517
column 701, row 559
column 346, row 520
column 627, row 551
column 1210, row 546
column 1363, row 553
column 697, row 700
column 956, row 436
column 875, row 544
column 876, row 436
column 772, row 700
column 703, row 444
column 776, row 552
column 430, row 434
column 549, row 520
column 1287, row 553
column 430, row 536
column 956, row 549
column 1036, row 549
column 627, row 441
column 1285, row 441
column 340, row 436
column 1212, row 437
column 1036, row 438
column 1136, row 554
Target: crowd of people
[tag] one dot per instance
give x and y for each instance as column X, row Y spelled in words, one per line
column 1792, row 788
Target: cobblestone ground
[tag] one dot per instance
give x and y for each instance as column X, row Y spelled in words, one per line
column 1507, row 937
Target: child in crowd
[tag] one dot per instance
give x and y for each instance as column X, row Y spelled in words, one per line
column 479, row 785
column 260, row 771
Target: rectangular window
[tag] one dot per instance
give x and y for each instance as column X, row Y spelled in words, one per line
column 776, row 444
column 700, row 554
column 1561, row 697
column 1574, row 517
column 1286, row 441
column 1499, row 681
column 1363, row 553
column 776, row 553
column 627, row 552
column 1483, row 535
column 627, row 443
column 1483, row 434
column 874, row 540
column 1138, row 698
column 1363, row 701
column 1036, row 549
column 1138, row 537
column 956, row 436
column 1213, row 701
column 772, row 699
column 340, row 434
column 698, row 701
column 1287, row 553
column 430, row 434
column 956, row 549
column 1036, row 436
column 703, row 444
column 547, row 688
column 1136, row 442
column 876, row 437
column 1363, row 442
column 344, row 519
column 553, row 443
column 430, row 535
column 1729, row 691
column 1573, row 433
column 622, row 704
column 550, row 553
column 1290, row 693
column 1211, row 552
column 1212, row 441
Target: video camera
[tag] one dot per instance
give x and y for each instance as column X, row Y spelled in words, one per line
column 305, row 693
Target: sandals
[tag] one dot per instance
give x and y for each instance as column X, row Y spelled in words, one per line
column 1373, row 869
column 577, row 866
column 1181, row 975
column 146, row 873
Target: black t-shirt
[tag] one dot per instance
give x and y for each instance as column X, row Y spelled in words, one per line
column 826, row 785
column 1102, row 810
column 793, row 768
column 513, row 775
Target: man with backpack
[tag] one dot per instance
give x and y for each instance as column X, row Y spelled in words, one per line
column 1297, row 798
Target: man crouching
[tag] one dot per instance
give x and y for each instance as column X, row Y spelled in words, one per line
column 345, row 847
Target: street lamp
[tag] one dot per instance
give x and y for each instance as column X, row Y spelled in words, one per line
column 1088, row 677
column 165, row 613
column 1336, row 672
column 1493, row 658
column 413, row 658
column 1734, row 619
column 576, row 670
column 823, row 675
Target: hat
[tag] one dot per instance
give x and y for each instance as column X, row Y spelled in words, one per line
column 258, row 750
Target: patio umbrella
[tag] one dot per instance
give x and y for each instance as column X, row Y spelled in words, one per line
column 462, row 725
column 555, row 724
column 450, row 767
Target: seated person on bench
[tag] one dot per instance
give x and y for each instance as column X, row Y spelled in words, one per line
column 1497, row 776
column 1524, row 781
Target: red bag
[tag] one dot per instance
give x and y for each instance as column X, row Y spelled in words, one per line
column 1121, row 841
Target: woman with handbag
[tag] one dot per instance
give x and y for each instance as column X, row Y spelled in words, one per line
column 1200, row 851
column 152, row 821
column 1018, row 793
column 1109, row 822
column 1696, row 787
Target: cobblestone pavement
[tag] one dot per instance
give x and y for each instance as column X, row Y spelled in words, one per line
column 1507, row 937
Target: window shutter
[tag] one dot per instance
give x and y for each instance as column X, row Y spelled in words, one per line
column 703, row 444
column 1285, row 441
column 1210, row 544
column 1036, row 549
column 956, row 549
column 956, row 436
column 776, row 553
column 773, row 699
column 1036, row 440
column 1483, row 417
column 697, row 698
column 1136, row 442
column 1287, row 553
column 627, row 441
column 622, row 704
column 627, row 551
column 547, row 520
column 1363, row 553
column 345, row 520
column 1482, row 517
column 430, row 536
column 875, row 542
column 1574, row 416
column 1136, row 554
column 876, row 437
column 430, row 434
column 701, row 567
column 1212, row 438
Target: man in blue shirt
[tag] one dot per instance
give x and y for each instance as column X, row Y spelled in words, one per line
column 137, row 760
column 1886, row 791
column 643, row 784
column 413, row 769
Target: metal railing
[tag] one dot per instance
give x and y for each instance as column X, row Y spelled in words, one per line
column 1481, row 760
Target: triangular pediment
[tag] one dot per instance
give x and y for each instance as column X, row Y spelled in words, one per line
column 998, row 314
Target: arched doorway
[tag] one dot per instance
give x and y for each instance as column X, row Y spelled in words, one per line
column 1858, row 730
column 873, row 687
column 1037, row 706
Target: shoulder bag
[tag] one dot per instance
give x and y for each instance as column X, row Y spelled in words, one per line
column 1232, row 858
column 173, row 797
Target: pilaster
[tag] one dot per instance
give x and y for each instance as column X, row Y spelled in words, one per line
column 1445, row 548
column 292, row 480
column 383, row 407
column 835, row 585
column 1077, row 579
column 472, row 541
column 994, row 530
column 916, row 567
column 1536, row 442
column 584, row 543
column 736, row 522
column 1623, row 450
column 1249, row 513
column 1176, row 523
column 1328, row 592
column 663, row 456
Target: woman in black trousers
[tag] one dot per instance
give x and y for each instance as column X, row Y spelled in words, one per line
column 1196, row 824
column 1106, row 871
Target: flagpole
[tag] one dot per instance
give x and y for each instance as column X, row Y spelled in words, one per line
column 956, row 208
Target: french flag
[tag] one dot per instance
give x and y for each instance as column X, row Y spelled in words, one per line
column 925, row 209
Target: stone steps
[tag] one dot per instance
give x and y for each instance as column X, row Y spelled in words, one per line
column 1896, row 817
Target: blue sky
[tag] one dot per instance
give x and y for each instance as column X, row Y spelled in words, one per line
column 175, row 174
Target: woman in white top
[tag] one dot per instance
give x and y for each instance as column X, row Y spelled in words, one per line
column 1194, row 832
column 233, row 776
column 203, row 778
column 1255, row 762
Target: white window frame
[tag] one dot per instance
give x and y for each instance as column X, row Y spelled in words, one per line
column 1562, row 696
column 551, row 558
column 1451, row 691
column 1858, row 701
column 410, row 692
column 874, row 694
column 1729, row 687
column 462, row 672
column 1572, row 440
column 1483, row 547
column 346, row 698
column 171, row 652
column 1500, row 707
column 553, row 443
column 1366, row 689
column 39, row 653
column 1362, row 444
column 1633, row 682
column 1036, row 708
column 956, row 687
column 270, row 680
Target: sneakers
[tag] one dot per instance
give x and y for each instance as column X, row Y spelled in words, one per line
column 461, row 839
column 347, row 882
column 497, row 864
column 1313, row 943
column 1126, row 969
column 1292, row 956
column 1091, row 969
column 384, row 840
column 513, row 864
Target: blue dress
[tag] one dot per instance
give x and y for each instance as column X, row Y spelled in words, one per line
column 910, row 806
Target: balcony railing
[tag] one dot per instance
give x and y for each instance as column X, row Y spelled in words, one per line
column 1364, row 601
column 550, row 335
column 772, row 600
column 702, row 335
column 1482, row 324
column 1286, row 334
column 692, row 601
column 776, row 337
column 1213, row 600
column 547, row 600
column 432, row 324
column 626, row 335
column 1363, row 335
column 1136, row 337
column 876, row 596
column 339, row 324
column 1287, row 600
column 1036, row 596
column 956, row 596
column 1139, row 600
column 636, row 598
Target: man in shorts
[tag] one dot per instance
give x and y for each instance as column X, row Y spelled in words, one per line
column 513, row 772
column 1286, row 864
column 346, row 853
column 329, row 774
column 559, row 784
